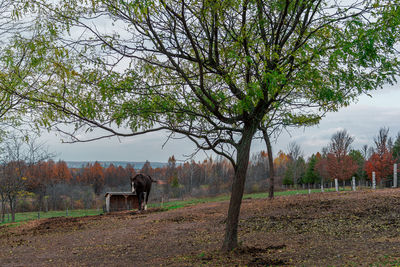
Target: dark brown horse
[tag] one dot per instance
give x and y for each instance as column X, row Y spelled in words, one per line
column 141, row 185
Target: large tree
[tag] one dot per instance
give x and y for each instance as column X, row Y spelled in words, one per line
column 216, row 72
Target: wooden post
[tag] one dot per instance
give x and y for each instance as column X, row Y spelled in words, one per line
column 337, row 185
column 126, row 202
column 373, row 181
column 353, row 183
column 108, row 202
column 395, row 175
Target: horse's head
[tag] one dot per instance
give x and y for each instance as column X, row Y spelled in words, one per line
column 133, row 184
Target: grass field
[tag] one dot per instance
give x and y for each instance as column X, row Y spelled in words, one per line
column 27, row 216
column 184, row 203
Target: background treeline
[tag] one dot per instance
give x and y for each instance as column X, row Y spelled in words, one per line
column 42, row 185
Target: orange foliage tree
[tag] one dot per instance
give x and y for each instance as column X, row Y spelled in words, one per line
column 341, row 168
column 381, row 164
column 340, row 165
column 62, row 172
column 94, row 175
column 280, row 164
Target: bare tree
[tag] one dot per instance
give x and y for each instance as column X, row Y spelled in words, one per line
column 340, row 144
column 295, row 152
column 381, row 141
column 18, row 154
column 365, row 151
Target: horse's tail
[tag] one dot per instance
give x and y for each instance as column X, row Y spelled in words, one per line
column 156, row 181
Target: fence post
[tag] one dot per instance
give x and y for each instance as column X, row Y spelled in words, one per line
column 395, row 175
column 353, row 183
column 373, row 181
column 336, row 185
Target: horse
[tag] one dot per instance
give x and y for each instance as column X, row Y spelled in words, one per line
column 141, row 184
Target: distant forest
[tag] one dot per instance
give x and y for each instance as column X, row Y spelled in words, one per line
column 136, row 164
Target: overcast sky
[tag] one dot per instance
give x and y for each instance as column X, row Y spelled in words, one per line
column 362, row 120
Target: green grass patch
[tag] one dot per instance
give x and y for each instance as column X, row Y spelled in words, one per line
column 387, row 261
column 194, row 201
column 28, row 216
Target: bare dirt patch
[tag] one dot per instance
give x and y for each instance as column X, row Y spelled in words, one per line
column 339, row 229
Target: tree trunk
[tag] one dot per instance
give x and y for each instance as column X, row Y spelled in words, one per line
column 12, row 203
column 3, row 209
column 271, row 165
column 242, row 161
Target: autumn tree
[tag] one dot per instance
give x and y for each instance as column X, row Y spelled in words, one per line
column 214, row 71
column 146, row 168
column 322, row 168
column 340, row 165
column 93, row 175
column 41, row 180
column 381, row 161
column 97, row 173
column 62, row 172
column 382, row 165
column 130, row 171
column 171, row 176
column 17, row 154
column 281, row 164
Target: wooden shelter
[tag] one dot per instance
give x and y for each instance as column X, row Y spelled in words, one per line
column 117, row 201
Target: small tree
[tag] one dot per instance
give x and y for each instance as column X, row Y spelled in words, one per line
column 396, row 149
column 340, row 165
column 17, row 155
column 381, row 161
column 358, row 158
column 322, row 168
column 294, row 151
column 311, row 175
column 382, row 165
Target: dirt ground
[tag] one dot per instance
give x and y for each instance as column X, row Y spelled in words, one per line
column 329, row 229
